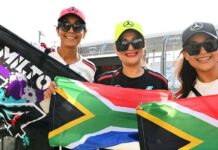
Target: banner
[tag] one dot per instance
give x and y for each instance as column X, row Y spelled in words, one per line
column 25, row 72
column 183, row 124
column 91, row 116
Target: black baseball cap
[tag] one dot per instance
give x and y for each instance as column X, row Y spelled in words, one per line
column 198, row 27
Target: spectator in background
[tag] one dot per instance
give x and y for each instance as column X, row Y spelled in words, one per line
column 47, row 50
column 130, row 48
column 43, row 45
column 198, row 68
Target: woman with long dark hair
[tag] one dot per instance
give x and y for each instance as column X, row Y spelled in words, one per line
column 198, row 69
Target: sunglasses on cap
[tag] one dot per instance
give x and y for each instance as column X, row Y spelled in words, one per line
column 195, row 48
column 124, row 45
column 65, row 26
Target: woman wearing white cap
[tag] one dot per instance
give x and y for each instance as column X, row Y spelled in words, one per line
column 198, row 69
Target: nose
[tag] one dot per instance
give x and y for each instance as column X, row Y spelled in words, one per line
column 71, row 29
column 130, row 47
column 202, row 50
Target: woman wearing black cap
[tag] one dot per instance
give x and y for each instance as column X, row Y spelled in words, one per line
column 198, row 69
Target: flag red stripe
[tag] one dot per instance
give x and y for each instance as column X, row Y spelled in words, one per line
column 204, row 104
column 132, row 97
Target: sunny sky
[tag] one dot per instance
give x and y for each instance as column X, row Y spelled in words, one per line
column 26, row 17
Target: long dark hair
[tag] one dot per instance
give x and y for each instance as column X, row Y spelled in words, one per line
column 187, row 76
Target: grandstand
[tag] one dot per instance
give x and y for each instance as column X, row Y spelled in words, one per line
column 161, row 52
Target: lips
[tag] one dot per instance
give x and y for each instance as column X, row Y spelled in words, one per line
column 70, row 37
column 204, row 59
column 131, row 54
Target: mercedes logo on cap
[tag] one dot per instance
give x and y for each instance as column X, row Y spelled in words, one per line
column 73, row 9
column 196, row 26
column 128, row 24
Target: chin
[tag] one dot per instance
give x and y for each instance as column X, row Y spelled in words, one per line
column 132, row 63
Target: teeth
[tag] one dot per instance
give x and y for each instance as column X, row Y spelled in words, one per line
column 203, row 58
column 70, row 37
column 131, row 54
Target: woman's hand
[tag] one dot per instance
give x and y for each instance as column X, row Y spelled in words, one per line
column 51, row 90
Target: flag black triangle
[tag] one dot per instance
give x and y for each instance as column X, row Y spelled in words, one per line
column 59, row 107
column 154, row 137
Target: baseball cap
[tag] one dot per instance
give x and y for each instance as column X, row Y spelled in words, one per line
column 198, row 27
column 72, row 10
column 125, row 25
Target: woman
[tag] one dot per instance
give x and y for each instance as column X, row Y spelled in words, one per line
column 198, row 70
column 130, row 47
column 71, row 29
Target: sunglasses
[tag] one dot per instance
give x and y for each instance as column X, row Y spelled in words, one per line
column 124, row 45
column 65, row 26
column 195, row 48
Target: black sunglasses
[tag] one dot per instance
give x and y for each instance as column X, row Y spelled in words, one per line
column 195, row 48
column 124, row 45
column 65, row 26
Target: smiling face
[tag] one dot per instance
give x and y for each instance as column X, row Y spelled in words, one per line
column 132, row 56
column 204, row 61
column 70, row 38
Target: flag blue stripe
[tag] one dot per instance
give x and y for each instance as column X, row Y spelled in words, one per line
column 107, row 140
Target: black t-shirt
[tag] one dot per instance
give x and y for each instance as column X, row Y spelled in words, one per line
column 150, row 80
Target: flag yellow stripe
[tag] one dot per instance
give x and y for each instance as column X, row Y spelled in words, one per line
column 193, row 140
column 87, row 114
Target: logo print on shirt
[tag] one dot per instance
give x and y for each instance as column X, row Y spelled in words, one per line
column 149, row 87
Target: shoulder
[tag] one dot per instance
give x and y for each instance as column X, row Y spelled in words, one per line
column 107, row 76
column 156, row 75
column 54, row 54
column 88, row 63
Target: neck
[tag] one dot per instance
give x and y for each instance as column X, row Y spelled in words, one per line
column 208, row 76
column 70, row 55
column 133, row 71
